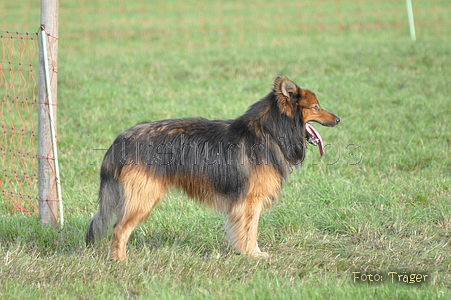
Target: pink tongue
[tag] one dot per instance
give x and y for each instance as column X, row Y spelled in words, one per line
column 317, row 137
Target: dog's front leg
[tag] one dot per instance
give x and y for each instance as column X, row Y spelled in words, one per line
column 242, row 226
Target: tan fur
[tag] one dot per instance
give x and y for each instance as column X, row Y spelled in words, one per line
column 201, row 189
column 242, row 220
column 312, row 111
column 142, row 192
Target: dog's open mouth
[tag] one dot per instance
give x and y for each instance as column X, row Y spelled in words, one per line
column 314, row 138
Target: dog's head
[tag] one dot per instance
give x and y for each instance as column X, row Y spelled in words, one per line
column 293, row 100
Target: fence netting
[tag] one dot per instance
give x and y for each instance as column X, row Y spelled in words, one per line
column 189, row 23
column 193, row 23
column 18, row 94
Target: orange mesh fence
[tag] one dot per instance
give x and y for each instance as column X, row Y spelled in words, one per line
column 18, row 94
column 189, row 23
column 193, row 23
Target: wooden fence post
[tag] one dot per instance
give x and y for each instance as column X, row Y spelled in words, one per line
column 48, row 202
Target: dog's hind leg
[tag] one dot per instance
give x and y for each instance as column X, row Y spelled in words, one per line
column 242, row 226
column 141, row 193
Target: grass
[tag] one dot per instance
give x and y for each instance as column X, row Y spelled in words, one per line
column 377, row 203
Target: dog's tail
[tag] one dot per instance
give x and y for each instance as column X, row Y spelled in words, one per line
column 110, row 200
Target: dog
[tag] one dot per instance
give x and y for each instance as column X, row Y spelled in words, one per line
column 235, row 166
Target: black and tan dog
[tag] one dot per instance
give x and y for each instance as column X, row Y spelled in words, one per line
column 234, row 166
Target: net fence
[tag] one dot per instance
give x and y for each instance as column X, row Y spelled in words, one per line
column 196, row 23
column 189, row 23
column 18, row 94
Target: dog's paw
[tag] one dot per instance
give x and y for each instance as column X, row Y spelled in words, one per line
column 259, row 254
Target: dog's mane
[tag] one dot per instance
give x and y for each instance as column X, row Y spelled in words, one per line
column 288, row 132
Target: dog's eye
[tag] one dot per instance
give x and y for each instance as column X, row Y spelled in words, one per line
column 316, row 107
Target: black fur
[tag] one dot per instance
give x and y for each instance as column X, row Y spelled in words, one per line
column 222, row 150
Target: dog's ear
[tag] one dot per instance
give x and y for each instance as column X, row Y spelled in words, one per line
column 285, row 89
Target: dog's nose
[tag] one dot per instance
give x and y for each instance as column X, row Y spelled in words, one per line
column 337, row 120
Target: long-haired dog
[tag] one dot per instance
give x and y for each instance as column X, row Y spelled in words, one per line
column 234, row 166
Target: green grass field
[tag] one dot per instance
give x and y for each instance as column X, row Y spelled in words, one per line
column 377, row 204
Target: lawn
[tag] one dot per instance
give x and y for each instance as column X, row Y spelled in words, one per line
column 376, row 207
